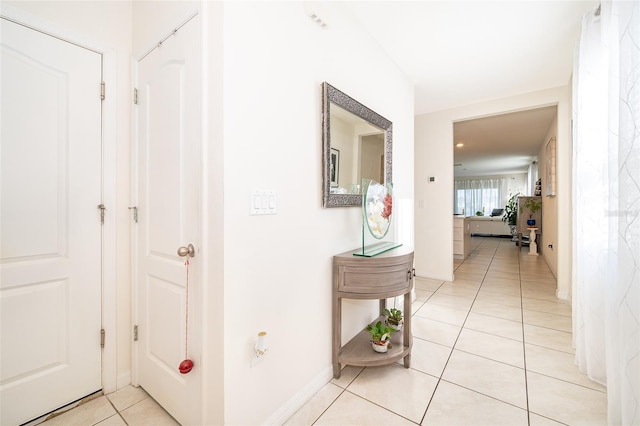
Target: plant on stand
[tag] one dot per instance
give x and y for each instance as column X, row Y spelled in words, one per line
column 380, row 336
column 533, row 205
column 511, row 213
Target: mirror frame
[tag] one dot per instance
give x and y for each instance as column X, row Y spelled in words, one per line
column 331, row 95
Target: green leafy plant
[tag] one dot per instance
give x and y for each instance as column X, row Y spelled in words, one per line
column 479, row 213
column 394, row 316
column 533, row 204
column 511, row 210
column 380, row 332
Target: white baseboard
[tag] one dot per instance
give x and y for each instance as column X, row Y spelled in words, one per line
column 123, row 380
column 436, row 278
column 564, row 295
column 298, row 400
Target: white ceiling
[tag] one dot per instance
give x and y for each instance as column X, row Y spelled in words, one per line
column 501, row 144
column 463, row 52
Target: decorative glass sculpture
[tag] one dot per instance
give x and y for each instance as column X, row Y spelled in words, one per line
column 377, row 206
column 377, row 210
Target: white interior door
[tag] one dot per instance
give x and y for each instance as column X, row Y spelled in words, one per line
column 50, row 249
column 169, row 182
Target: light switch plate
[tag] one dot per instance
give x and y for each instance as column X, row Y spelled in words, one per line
column 264, row 201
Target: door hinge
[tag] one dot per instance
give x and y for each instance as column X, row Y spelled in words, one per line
column 135, row 213
column 135, row 333
column 102, row 208
column 102, row 90
column 135, row 96
column 102, row 333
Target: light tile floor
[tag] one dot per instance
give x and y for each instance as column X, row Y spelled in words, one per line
column 129, row 406
column 492, row 347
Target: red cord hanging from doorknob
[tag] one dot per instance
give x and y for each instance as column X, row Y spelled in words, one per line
column 186, row 365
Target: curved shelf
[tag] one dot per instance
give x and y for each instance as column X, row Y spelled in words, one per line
column 387, row 275
column 358, row 350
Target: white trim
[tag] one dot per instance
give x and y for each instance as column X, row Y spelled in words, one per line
column 436, row 277
column 289, row 408
column 563, row 295
column 204, row 212
column 134, row 226
column 109, row 230
column 123, row 380
column 109, row 140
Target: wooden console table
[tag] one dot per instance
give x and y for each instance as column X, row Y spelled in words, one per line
column 389, row 274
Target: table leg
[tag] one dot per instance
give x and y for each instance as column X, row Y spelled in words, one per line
column 336, row 371
column 337, row 336
column 407, row 361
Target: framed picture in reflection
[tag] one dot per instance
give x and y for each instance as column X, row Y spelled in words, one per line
column 335, row 167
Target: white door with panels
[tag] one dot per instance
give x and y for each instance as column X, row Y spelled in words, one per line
column 50, row 228
column 168, row 142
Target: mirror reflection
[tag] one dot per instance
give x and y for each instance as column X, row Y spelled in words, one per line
column 357, row 151
column 357, row 145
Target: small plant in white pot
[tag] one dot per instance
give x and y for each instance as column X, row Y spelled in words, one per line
column 393, row 318
column 380, row 336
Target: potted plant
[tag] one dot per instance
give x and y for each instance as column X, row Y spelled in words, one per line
column 393, row 318
column 533, row 205
column 511, row 213
column 380, row 336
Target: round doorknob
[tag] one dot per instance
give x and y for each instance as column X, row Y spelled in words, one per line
column 186, row 251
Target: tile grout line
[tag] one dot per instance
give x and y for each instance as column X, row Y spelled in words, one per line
column 344, row 389
column 524, row 344
column 460, row 332
column 117, row 412
column 383, row 407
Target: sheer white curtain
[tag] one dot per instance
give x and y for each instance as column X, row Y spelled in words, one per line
column 606, row 151
column 480, row 195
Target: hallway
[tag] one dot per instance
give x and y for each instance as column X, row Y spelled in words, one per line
column 491, row 348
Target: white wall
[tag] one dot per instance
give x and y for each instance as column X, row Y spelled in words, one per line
column 434, row 157
column 214, row 238
column 278, row 267
column 106, row 27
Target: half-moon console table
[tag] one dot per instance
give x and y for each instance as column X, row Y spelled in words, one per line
column 389, row 274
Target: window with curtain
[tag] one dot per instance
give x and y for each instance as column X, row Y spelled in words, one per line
column 606, row 200
column 479, row 195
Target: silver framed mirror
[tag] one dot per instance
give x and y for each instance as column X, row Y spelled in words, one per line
column 356, row 144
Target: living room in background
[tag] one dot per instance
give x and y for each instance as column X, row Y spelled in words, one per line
column 480, row 196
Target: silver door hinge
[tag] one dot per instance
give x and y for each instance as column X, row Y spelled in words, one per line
column 135, row 213
column 102, row 208
column 135, row 333
column 135, row 96
column 102, row 90
column 102, row 333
